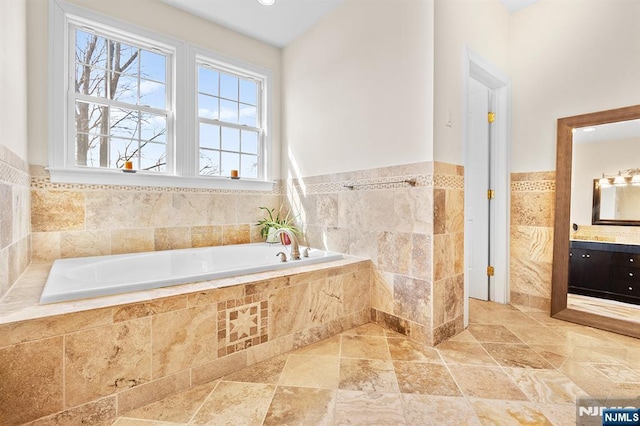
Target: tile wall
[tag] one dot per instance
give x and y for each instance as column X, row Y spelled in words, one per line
column 413, row 234
column 14, row 218
column 85, row 367
column 532, row 216
column 609, row 234
column 75, row 220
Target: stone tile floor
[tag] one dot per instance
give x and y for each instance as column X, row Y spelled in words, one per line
column 509, row 367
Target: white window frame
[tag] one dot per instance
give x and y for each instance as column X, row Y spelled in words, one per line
column 215, row 62
column 182, row 144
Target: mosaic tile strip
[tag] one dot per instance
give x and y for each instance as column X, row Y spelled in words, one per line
column 12, row 159
column 448, row 181
column 242, row 323
column 12, row 175
column 41, row 182
column 533, row 186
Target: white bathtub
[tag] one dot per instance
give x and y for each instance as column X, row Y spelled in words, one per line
column 79, row 278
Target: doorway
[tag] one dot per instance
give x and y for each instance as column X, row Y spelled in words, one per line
column 486, row 192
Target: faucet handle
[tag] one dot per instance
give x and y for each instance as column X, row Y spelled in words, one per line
column 283, row 256
column 305, row 253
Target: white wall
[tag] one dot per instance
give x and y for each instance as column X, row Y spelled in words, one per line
column 13, row 80
column 481, row 25
column 569, row 57
column 590, row 160
column 157, row 17
column 359, row 88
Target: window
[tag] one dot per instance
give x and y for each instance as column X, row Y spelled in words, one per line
column 130, row 96
column 229, row 122
column 120, row 98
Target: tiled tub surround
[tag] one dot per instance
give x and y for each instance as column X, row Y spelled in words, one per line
column 413, row 234
column 532, row 215
column 14, row 218
column 83, row 362
column 75, row 220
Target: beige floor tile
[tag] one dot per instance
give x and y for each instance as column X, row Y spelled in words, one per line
column 369, row 329
column 425, row 378
column 508, row 413
column 233, row 403
column 465, row 336
column 546, row 386
column 438, row 410
column 366, row 409
column 268, row 371
column 125, row 421
column 326, row 347
column 485, row 382
column 367, row 347
column 311, row 371
column 617, row 373
column 301, row 406
column 176, row 408
column 492, row 333
column 465, row 353
column 373, row 376
column 368, row 375
column 554, row 355
column 403, row 349
column 588, row 379
column 512, row 355
column 534, row 335
column 559, row 414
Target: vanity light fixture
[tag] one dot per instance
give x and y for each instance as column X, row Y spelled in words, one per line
column 267, row 2
column 604, row 181
column 619, row 180
column 624, row 177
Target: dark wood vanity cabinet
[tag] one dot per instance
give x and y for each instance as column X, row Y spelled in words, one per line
column 609, row 271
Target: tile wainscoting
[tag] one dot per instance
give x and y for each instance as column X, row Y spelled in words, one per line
column 413, row 234
column 15, row 216
column 87, row 366
column 532, row 215
column 76, row 220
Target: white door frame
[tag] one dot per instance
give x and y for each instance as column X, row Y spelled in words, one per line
column 481, row 70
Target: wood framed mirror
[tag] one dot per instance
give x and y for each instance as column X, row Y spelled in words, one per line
column 560, row 272
column 615, row 205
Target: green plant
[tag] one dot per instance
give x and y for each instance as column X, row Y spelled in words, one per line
column 272, row 219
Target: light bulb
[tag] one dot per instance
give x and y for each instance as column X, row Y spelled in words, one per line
column 619, row 180
column 604, row 181
column 635, row 180
column 267, row 2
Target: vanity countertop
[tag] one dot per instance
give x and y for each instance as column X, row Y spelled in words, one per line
column 598, row 245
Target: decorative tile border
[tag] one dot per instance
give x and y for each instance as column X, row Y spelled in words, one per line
column 448, row 181
column 13, row 175
column 242, row 324
column 533, row 186
column 42, row 182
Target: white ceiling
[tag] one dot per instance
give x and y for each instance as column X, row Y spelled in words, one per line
column 277, row 25
column 281, row 23
column 516, row 5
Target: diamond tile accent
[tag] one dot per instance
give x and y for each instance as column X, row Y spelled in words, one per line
column 242, row 325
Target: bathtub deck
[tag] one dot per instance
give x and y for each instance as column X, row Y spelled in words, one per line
column 21, row 303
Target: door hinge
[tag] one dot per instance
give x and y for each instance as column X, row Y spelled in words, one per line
column 491, row 117
column 490, row 271
column 491, row 194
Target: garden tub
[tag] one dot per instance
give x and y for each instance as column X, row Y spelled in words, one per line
column 79, row 278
